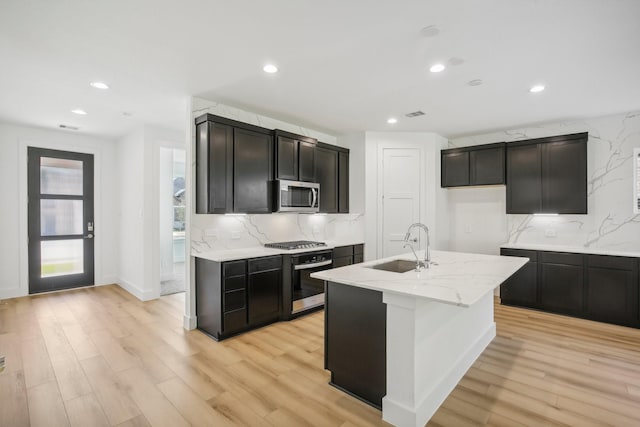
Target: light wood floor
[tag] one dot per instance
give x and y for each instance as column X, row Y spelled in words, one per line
column 100, row 357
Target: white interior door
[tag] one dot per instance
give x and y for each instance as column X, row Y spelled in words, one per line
column 401, row 187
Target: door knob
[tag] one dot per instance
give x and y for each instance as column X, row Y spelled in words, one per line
column 88, row 236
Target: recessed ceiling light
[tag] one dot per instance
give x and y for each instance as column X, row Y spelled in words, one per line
column 430, row 31
column 392, row 120
column 270, row 68
column 99, row 85
column 79, row 112
column 536, row 89
column 437, row 68
column 475, row 82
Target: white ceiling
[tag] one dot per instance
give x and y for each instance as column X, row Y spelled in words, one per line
column 345, row 65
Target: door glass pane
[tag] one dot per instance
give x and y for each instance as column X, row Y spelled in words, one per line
column 60, row 176
column 60, row 217
column 61, row 257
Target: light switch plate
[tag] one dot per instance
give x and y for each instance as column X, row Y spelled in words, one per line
column 550, row 232
column 235, row 235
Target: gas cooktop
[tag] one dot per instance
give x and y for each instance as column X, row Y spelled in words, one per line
column 296, row 244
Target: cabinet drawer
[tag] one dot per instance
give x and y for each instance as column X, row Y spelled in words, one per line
column 234, row 268
column 357, row 259
column 614, row 262
column 234, row 321
column 266, row 263
column 342, row 261
column 234, row 300
column 342, row 251
column 532, row 255
column 234, row 283
column 561, row 258
column 358, row 249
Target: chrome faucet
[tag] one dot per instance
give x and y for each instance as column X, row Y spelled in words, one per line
column 427, row 252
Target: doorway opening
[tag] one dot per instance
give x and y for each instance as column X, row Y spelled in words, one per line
column 172, row 220
column 60, row 219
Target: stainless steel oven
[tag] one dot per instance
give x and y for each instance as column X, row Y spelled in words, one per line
column 297, row 196
column 307, row 293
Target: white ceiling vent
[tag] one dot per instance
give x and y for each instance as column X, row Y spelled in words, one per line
column 415, row 114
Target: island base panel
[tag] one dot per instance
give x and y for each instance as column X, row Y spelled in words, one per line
column 355, row 341
column 430, row 346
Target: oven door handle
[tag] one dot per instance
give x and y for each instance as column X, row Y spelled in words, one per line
column 314, row 265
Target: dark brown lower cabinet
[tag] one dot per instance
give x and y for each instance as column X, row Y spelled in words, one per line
column 562, row 288
column 356, row 341
column 596, row 287
column 347, row 255
column 521, row 288
column 612, row 290
column 236, row 296
column 265, row 287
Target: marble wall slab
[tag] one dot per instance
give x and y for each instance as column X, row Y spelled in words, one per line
column 610, row 223
column 220, row 232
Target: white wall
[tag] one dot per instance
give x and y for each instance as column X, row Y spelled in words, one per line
column 433, row 200
column 165, row 219
column 139, row 182
column 14, row 141
column 478, row 220
column 131, row 213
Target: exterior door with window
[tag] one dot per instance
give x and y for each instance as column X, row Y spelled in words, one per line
column 61, row 227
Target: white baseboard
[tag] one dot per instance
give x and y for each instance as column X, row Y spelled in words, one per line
column 13, row 293
column 190, row 322
column 136, row 291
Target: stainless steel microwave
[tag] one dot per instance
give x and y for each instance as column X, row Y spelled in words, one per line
column 297, row 196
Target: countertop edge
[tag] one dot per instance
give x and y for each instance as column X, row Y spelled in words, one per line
column 260, row 251
column 571, row 249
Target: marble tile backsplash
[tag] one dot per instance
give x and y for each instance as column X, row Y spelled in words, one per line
column 611, row 222
column 220, row 232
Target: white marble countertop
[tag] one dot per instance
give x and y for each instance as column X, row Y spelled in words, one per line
column 574, row 249
column 261, row 251
column 459, row 278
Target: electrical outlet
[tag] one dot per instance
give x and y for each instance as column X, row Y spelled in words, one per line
column 316, row 229
column 467, row 228
column 211, row 232
column 235, row 235
column 550, row 232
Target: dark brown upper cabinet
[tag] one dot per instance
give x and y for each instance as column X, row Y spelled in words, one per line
column 548, row 175
column 476, row 165
column 332, row 173
column 295, row 156
column 234, row 166
column 343, row 182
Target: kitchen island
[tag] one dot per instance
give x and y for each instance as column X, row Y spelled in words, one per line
column 402, row 341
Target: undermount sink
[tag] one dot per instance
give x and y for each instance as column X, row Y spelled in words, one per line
column 395, row 266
